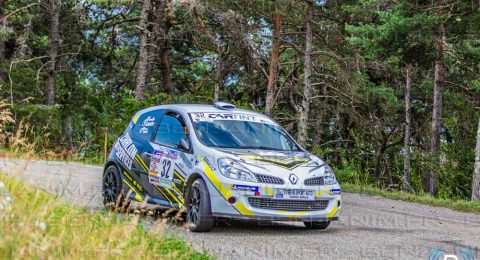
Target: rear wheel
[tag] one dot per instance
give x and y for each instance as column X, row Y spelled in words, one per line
column 316, row 224
column 199, row 213
column 113, row 195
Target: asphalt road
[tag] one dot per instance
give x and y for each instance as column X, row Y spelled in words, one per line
column 370, row 227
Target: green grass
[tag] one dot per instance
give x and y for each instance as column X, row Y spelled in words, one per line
column 460, row 205
column 38, row 225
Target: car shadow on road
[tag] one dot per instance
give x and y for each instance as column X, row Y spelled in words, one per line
column 261, row 228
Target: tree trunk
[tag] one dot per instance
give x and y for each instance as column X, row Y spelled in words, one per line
column 378, row 162
column 274, row 63
column 307, row 82
column 437, row 108
column 143, row 52
column 476, row 173
column 161, row 31
column 388, row 169
column 317, row 138
column 2, row 47
column 153, row 48
column 218, row 77
column 408, row 125
column 55, row 6
column 69, row 131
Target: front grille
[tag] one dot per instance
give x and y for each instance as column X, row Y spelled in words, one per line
column 269, row 179
column 288, row 205
column 316, row 181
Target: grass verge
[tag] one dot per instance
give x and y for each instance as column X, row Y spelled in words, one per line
column 460, row 205
column 37, row 225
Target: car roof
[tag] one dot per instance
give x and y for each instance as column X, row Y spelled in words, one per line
column 195, row 108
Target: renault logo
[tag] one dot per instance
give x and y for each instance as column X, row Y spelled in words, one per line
column 293, row 178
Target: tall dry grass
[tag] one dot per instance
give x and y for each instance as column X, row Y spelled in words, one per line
column 22, row 139
column 6, row 116
column 38, row 225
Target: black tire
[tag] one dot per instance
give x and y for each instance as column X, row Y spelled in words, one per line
column 316, row 224
column 113, row 190
column 199, row 212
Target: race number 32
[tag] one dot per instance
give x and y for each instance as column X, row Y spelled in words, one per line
column 165, row 170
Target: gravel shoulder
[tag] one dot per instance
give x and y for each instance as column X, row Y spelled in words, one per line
column 369, row 227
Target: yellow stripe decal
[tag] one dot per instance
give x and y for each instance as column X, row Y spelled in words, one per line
column 176, row 188
column 293, row 214
column 269, row 191
column 179, row 175
column 138, row 197
column 180, row 203
column 141, row 162
column 164, row 195
column 319, row 193
column 224, row 190
column 333, row 212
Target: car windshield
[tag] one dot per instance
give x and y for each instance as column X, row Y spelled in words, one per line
column 248, row 132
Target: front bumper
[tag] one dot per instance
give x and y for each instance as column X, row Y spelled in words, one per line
column 222, row 189
column 272, row 218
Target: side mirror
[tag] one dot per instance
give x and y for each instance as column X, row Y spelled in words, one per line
column 184, row 145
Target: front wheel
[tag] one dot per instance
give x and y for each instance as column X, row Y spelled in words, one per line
column 316, row 224
column 199, row 213
column 113, row 197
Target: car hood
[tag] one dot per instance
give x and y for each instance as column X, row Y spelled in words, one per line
column 280, row 163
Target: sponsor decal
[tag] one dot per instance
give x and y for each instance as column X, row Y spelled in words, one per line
column 143, row 130
column 182, row 167
column 295, row 194
column 245, row 187
column 209, row 163
column 210, row 117
column 172, row 154
column 293, row 179
column 125, row 150
column 161, row 167
column 149, row 121
column 335, row 191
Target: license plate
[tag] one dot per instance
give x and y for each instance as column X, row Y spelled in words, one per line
column 294, row 194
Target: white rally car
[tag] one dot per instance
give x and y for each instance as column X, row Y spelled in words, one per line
column 217, row 161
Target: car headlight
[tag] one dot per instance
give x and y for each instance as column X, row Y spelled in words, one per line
column 329, row 177
column 234, row 170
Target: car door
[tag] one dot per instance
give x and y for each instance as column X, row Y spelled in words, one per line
column 142, row 134
column 171, row 161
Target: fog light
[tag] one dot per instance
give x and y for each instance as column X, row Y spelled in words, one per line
column 232, row 200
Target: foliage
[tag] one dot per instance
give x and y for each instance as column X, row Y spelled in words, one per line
column 360, row 52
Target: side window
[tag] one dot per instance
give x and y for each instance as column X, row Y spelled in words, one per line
column 170, row 131
column 146, row 124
